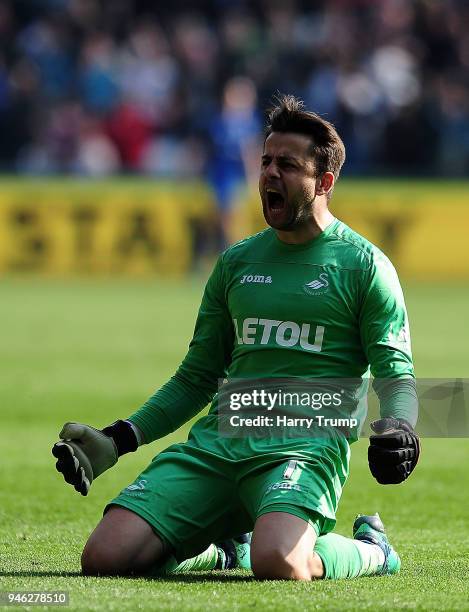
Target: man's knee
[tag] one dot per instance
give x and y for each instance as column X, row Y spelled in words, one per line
column 99, row 560
column 282, row 548
column 276, row 564
column 123, row 543
column 273, row 564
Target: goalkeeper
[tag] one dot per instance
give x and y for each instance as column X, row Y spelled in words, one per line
column 307, row 297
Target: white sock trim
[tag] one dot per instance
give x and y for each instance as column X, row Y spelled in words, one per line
column 372, row 557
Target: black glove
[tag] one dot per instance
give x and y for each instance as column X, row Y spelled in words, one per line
column 394, row 450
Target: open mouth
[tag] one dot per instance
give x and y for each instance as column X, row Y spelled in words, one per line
column 275, row 201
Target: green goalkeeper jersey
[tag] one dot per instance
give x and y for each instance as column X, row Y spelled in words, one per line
column 330, row 308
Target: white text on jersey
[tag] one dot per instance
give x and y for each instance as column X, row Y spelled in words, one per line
column 287, row 333
column 256, row 278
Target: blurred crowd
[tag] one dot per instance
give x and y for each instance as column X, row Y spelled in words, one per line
column 178, row 89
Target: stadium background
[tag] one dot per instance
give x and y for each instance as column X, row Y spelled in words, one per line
column 130, row 135
column 175, row 94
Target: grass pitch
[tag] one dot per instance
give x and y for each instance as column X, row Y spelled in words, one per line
column 93, row 351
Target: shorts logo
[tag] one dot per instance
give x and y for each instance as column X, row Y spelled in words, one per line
column 284, row 486
column 138, row 486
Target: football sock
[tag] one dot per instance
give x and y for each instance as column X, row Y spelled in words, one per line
column 346, row 558
column 206, row 560
column 342, row 558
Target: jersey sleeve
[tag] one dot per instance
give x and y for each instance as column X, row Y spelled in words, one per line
column 195, row 382
column 385, row 336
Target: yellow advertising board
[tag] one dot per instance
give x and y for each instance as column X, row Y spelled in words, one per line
column 110, row 227
column 141, row 227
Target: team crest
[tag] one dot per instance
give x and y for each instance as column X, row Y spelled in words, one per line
column 318, row 286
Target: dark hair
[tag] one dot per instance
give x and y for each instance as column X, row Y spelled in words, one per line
column 327, row 148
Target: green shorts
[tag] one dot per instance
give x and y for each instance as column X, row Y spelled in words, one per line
column 193, row 497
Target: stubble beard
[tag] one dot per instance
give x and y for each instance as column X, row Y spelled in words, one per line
column 300, row 212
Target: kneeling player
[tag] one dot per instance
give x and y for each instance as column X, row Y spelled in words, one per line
column 323, row 303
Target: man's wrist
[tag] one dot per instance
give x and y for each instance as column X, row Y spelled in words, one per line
column 124, row 435
column 390, row 423
column 137, row 431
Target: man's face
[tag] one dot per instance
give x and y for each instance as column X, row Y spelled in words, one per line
column 287, row 182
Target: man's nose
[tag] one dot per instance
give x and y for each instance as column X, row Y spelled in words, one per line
column 271, row 170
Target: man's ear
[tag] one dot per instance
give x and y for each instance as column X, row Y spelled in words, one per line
column 324, row 183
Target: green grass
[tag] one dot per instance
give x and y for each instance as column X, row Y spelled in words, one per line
column 94, row 350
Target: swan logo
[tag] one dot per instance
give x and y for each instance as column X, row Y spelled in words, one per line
column 138, row 486
column 317, row 286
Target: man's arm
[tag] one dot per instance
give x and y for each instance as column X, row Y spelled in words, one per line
column 83, row 453
column 394, row 448
column 384, row 330
column 195, row 382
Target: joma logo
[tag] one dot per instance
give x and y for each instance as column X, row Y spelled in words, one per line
column 255, row 278
column 286, row 486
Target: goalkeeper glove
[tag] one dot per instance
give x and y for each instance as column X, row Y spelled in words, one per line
column 394, row 450
column 83, row 452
